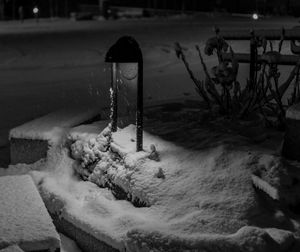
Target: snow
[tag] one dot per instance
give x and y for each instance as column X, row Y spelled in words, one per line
column 89, row 207
column 88, row 131
column 293, row 112
column 68, row 245
column 53, row 126
column 24, row 220
column 21, row 169
column 13, row 248
column 205, row 198
column 246, row 239
column 199, row 192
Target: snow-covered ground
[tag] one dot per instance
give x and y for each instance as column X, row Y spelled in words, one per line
column 198, row 190
column 195, row 184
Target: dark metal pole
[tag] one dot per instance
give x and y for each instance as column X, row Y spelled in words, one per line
column 127, row 51
column 140, row 109
column 114, row 97
column 253, row 55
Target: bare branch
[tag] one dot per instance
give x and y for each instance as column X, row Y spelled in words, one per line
column 198, row 83
column 210, row 84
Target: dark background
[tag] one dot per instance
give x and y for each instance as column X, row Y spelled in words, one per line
column 63, row 8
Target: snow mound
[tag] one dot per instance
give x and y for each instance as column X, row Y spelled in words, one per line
column 22, row 169
column 246, row 239
column 88, row 131
column 194, row 197
column 24, row 220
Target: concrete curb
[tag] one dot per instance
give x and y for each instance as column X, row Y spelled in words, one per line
column 27, row 151
column 85, row 241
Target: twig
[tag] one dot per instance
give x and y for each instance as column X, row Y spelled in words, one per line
column 209, row 83
column 198, row 83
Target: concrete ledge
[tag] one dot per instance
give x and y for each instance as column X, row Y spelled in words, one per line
column 27, row 151
column 13, row 248
column 24, row 219
column 85, row 241
column 30, row 142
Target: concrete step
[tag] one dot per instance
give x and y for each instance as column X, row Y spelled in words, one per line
column 78, row 230
column 31, row 141
column 24, row 219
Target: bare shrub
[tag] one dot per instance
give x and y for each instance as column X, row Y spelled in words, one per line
column 263, row 95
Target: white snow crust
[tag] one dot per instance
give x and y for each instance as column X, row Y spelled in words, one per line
column 13, row 248
column 87, row 131
column 24, row 220
column 51, row 127
column 211, row 189
column 205, row 199
column 293, row 112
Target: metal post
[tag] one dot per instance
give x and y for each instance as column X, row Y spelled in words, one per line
column 114, row 88
column 253, row 55
column 127, row 51
column 140, row 109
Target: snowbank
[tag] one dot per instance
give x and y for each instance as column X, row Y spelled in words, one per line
column 24, row 220
column 246, row 239
column 88, row 131
column 200, row 198
column 90, row 208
